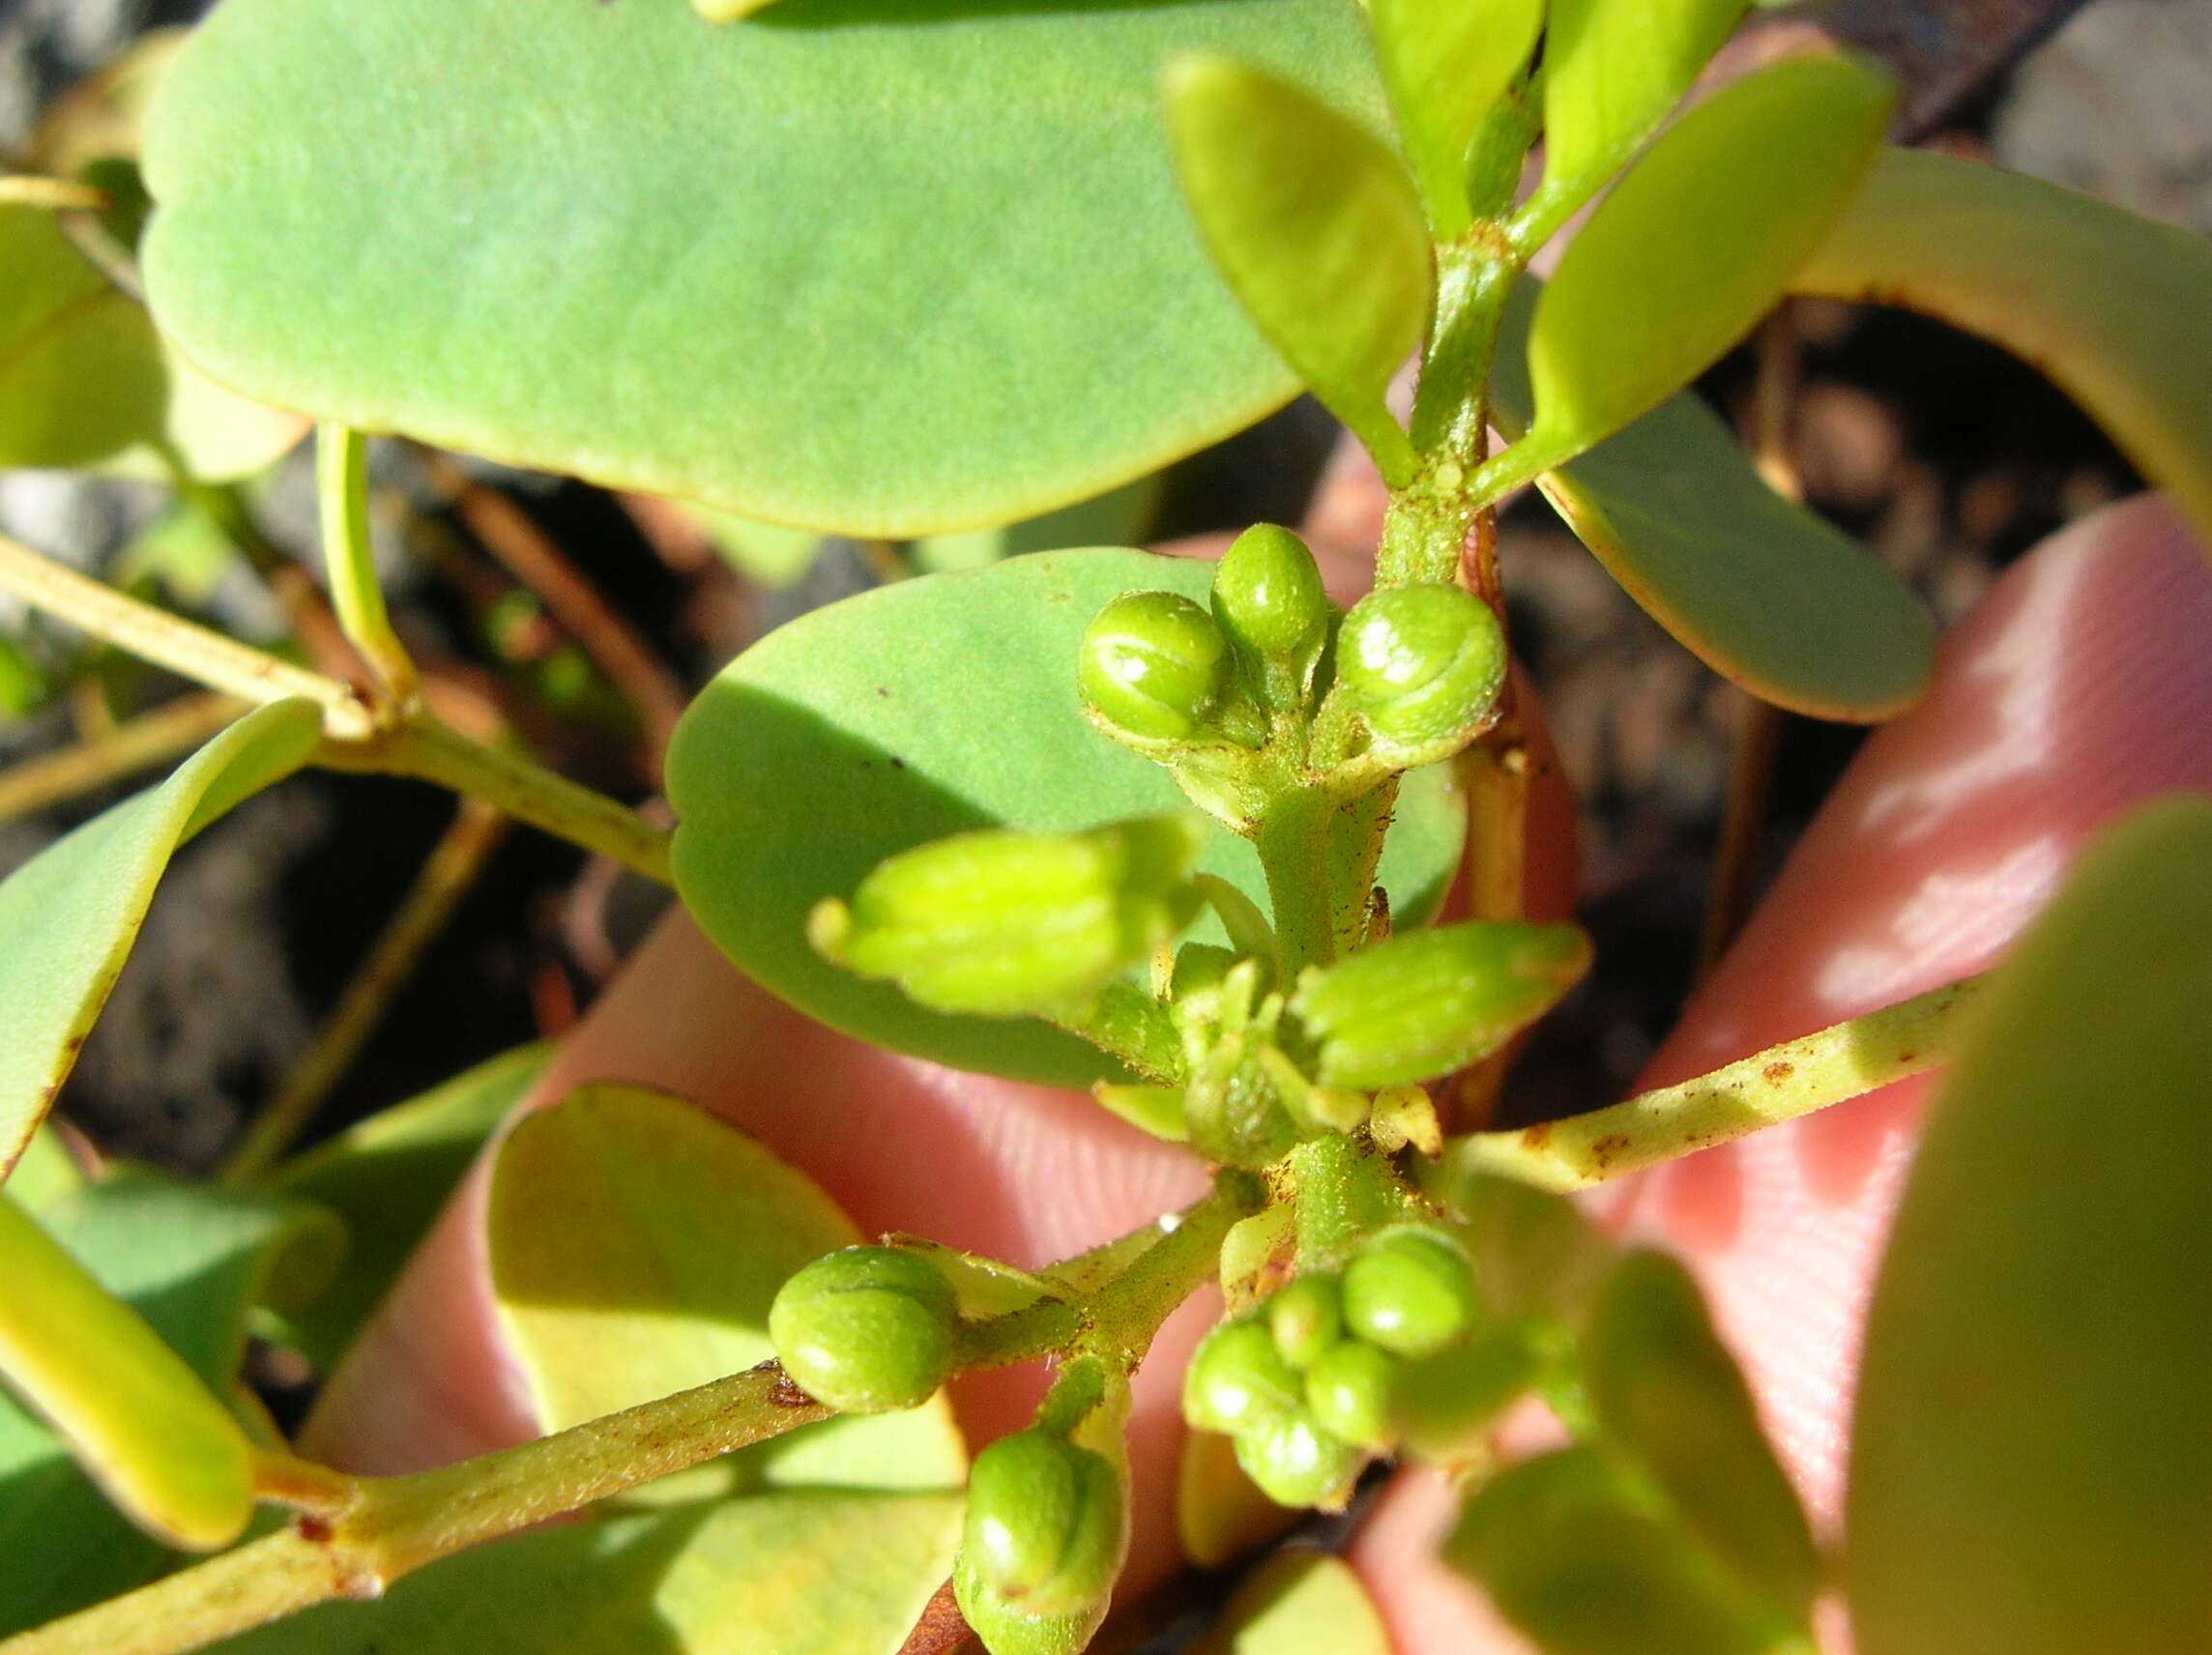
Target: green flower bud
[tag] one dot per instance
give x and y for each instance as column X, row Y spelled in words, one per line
column 1236, row 1379
column 866, row 1330
column 1427, row 1003
column 1002, row 923
column 1046, row 1523
column 1306, row 1319
column 1267, row 596
column 1424, row 665
column 1153, row 668
column 1410, row 1290
column 1349, row 1393
column 1296, row 1463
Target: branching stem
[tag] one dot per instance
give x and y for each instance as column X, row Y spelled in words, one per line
column 358, row 734
column 394, row 1526
column 1779, row 1083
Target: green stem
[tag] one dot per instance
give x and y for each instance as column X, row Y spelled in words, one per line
column 62, row 194
column 1779, row 1083
column 432, row 751
column 1345, row 1191
column 341, row 483
column 356, row 734
column 1120, row 1318
column 397, row 1524
column 1318, row 851
column 1475, row 275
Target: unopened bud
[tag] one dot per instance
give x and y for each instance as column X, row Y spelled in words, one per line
column 1427, row 1003
column 1002, row 923
column 1268, row 598
column 1153, row 668
column 1424, row 666
column 866, row 1330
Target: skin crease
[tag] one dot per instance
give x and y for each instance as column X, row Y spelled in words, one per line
column 2079, row 688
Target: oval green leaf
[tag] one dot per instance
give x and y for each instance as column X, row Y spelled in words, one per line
column 2117, row 309
column 80, row 368
column 1300, row 1603
column 1317, row 229
column 1666, row 1392
column 923, row 710
column 1613, row 70
column 636, row 1243
column 1761, row 590
column 68, row 915
column 819, row 1572
column 1446, row 63
column 193, row 1262
column 818, row 266
column 2032, row 1469
column 388, row 1177
column 1576, row 1554
column 1697, row 244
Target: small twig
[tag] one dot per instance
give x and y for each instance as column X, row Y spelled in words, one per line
column 60, row 193
column 394, row 1526
column 185, row 647
column 444, row 880
column 356, row 736
column 506, row 532
column 141, row 744
column 1779, row 1083
column 1759, row 723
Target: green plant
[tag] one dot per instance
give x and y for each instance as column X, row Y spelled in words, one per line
column 1180, row 835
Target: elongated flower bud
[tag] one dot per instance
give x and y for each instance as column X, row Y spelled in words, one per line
column 866, row 1330
column 1002, row 923
column 1046, row 1525
column 1153, row 668
column 1267, row 596
column 1427, row 1003
column 1424, row 666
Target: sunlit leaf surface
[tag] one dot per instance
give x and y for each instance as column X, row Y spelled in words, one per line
column 68, row 915
column 2115, row 308
column 1761, row 590
column 2032, row 1469
column 824, row 265
column 193, row 1262
column 926, row 708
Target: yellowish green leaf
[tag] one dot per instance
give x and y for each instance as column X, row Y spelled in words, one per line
column 636, row 1244
column 388, row 1177
column 1220, row 1511
column 68, row 915
column 1761, row 590
column 2032, row 1469
column 1300, row 1603
column 2117, row 309
column 1613, row 70
column 1696, row 244
column 1316, row 226
column 1666, row 1392
column 1446, row 63
column 814, row 1572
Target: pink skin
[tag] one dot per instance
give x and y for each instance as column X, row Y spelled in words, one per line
column 2079, row 688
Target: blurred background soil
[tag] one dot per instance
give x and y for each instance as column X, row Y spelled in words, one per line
column 1948, row 457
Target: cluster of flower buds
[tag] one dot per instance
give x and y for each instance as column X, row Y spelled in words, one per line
column 1418, row 675
column 1000, row 924
column 1303, row 1382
